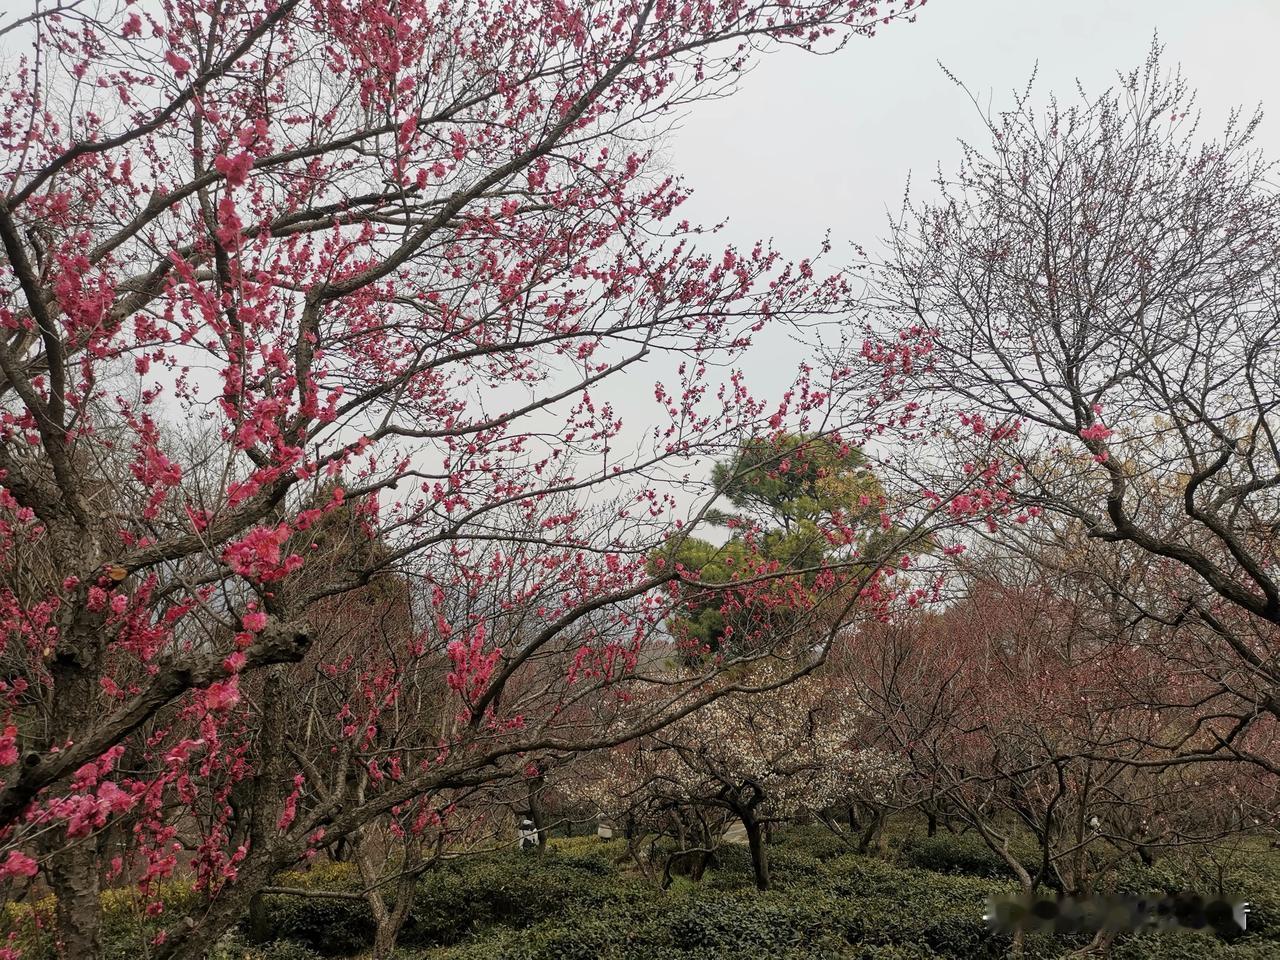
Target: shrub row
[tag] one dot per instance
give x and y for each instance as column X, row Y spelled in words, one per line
column 575, row 903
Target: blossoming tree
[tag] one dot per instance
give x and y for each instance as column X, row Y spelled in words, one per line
column 270, row 260
column 759, row 758
column 1097, row 286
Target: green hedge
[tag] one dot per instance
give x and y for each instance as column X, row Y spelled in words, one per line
column 577, row 902
column 127, row 929
column 234, row 948
column 849, row 906
column 455, row 899
column 967, row 854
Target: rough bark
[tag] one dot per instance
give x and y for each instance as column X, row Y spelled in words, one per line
column 74, row 877
column 388, row 920
column 759, row 849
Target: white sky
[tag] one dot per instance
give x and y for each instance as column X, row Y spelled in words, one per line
column 812, row 142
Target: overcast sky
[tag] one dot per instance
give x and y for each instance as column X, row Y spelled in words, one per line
column 814, row 142
column 810, row 143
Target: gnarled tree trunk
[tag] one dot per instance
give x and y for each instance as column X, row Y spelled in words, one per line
column 759, row 849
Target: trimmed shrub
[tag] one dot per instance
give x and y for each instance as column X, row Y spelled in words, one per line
column 127, row 930
column 1192, row 945
column 279, row 950
column 468, row 894
column 968, row 854
column 814, row 842
column 328, row 926
column 893, row 952
column 576, row 902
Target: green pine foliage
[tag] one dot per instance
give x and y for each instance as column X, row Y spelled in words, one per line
column 797, row 501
